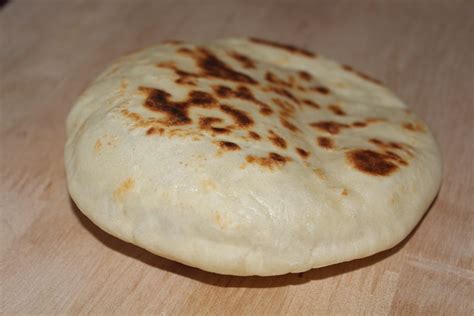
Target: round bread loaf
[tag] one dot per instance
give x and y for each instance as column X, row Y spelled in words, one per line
column 248, row 157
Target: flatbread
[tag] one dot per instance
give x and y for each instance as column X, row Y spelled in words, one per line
column 248, row 157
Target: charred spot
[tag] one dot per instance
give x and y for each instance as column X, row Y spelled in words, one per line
column 395, row 145
column 359, row 124
column 329, row 126
column 371, row 162
column 386, row 145
column 336, row 109
column 272, row 78
column 286, row 107
column 361, row 74
column 417, row 127
column 325, row 142
column 201, row 98
column 244, row 61
column 311, row 103
column 241, row 118
column 285, row 93
column 244, row 93
column 184, row 50
column 230, row 146
column 305, row 75
column 287, row 124
column 272, row 160
column 321, row 89
column 158, row 100
column 289, row 48
column 276, row 139
column 303, row 153
column 376, row 142
column 214, row 67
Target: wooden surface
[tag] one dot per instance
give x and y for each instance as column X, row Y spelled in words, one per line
column 54, row 260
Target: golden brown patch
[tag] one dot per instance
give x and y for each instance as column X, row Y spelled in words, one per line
column 372, row 162
column 123, row 188
column 303, row 153
column 336, row 109
column 414, row 127
column 98, row 145
column 329, row 126
column 325, row 142
column 245, row 61
column 228, row 146
column 320, row 173
column 273, row 160
column 345, row 192
column 254, row 135
column 288, row 48
column 154, row 131
column 276, row 139
column 311, row 103
column 362, row 75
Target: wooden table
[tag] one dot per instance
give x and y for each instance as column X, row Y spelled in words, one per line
column 54, row 260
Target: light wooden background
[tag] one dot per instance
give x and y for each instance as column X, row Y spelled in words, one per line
column 54, row 260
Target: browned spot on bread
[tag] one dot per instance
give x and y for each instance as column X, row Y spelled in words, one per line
column 359, row 124
column 214, row 67
column 176, row 112
column 371, row 162
column 276, row 139
column 272, row 78
column 321, row 89
column 286, row 107
column 361, row 74
column 414, row 127
column 254, row 135
column 325, row 142
column 273, row 160
column 345, row 192
column 329, row 126
column 285, row 93
column 396, row 157
column 154, row 130
column 320, row 173
column 123, row 188
column 287, row 124
column 311, row 103
column 305, row 75
column 289, row 48
column 205, row 123
column 229, row 146
column 336, row 109
column 210, row 67
column 244, row 61
column 303, row 153
column 241, row 118
column 244, row 93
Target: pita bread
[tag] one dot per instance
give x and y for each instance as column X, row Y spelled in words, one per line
column 248, row 157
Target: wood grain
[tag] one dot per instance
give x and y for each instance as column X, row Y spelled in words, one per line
column 54, row 260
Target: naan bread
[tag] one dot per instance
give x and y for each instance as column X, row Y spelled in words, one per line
column 248, row 157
